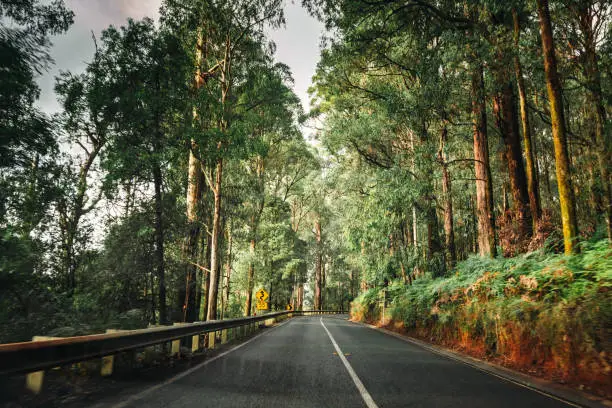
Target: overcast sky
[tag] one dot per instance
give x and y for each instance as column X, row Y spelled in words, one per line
column 297, row 44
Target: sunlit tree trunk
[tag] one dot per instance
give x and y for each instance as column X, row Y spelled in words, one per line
column 194, row 299
column 253, row 226
column 213, row 286
column 202, row 302
column 553, row 85
column 187, row 288
column 532, row 175
column 484, row 187
column 250, row 278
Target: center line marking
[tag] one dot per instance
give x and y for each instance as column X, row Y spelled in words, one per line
column 367, row 398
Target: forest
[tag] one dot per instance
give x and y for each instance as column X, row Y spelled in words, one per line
column 457, row 186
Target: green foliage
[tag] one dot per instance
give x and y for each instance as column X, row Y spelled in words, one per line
column 538, row 300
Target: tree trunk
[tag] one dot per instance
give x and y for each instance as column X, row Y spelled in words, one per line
column 187, row 291
column 504, row 107
column 473, row 211
column 152, row 299
column 553, row 85
column 318, row 267
column 250, row 279
column 214, row 250
column 532, row 174
column 323, row 284
column 484, row 187
column 205, row 275
column 300, row 297
column 433, row 237
column 228, row 272
column 159, row 243
column 449, row 232
column 593, row 77
column 254, row 225
column 194, row 195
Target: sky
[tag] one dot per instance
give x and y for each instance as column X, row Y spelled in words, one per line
column 297, row 43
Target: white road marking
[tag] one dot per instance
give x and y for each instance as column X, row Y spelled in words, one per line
column 469, row 364
column 367, row 398
column 146, row 392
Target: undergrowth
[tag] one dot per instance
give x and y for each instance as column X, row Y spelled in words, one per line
column 544, row 312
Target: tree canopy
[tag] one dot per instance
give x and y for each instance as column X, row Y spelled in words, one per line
column 177, row 179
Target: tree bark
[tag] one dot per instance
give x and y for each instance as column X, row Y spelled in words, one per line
column 482, row 168
column 300, row 297
column 159, row 243
column 593, row 79
column 187, row 291
column 195, row 179
column 318, row 266
column 449, row 231
column 250, row 279
column 228, row 272
column 530, row 168
column 205, row 274
column 254, row 225
column 434, row 244
column 504, row 107
column 553, row 85
column 214, row 250
column 323, row 283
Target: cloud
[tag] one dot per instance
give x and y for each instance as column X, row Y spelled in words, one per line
column 99, row 14
column 72, row 51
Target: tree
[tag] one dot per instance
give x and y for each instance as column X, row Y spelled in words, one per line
column 553, row 86
column 24, row 44
column 89, row 111
column 150, row 72
column 230, row 47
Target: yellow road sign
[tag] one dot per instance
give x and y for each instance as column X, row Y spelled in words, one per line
column 288, row 307
column 262, row 295
column 262, row 305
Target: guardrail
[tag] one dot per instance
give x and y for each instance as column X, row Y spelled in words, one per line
column 27, row 357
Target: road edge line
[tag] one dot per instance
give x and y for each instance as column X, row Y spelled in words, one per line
column 133, row 398
column 365, row 395
column 542, row 386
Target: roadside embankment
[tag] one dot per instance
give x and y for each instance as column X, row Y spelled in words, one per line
column 544, row 314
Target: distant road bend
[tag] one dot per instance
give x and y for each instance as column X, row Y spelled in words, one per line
column 331, row 362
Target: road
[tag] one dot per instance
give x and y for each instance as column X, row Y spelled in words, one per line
column 297, row 364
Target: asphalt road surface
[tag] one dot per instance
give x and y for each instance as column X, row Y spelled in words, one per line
column 330, row 362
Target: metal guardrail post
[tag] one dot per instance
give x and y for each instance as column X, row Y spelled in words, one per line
column 176, row 344
column 34, row 381
column 212, row 338
column 108, row 362
column 195, row 343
